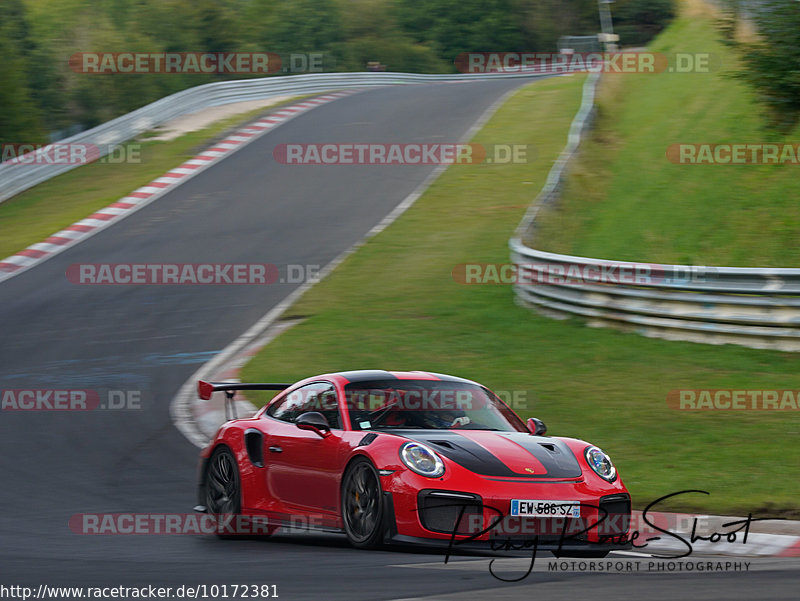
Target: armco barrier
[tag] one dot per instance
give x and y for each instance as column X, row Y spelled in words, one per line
column 752, row 307
column 749, row 306
column 15, row 178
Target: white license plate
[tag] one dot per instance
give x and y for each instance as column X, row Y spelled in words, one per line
column 545, row 508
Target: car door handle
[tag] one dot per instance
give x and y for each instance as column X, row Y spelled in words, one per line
column 275, row 450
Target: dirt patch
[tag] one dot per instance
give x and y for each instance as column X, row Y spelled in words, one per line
column 202, row 119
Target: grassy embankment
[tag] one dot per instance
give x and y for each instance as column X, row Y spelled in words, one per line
column 626, row 201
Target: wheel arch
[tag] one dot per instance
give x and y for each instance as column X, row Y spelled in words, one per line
column 388, row 526
column 202, row 468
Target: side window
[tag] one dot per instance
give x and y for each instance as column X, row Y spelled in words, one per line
column 288, row 408
column 329, row 407
column 319, row 396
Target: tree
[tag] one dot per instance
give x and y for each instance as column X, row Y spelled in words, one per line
column 545, row 21
column 371, row 32
column 639, row 21
column 772, row 62
column 20, row 119
column 456, row 26
column 303, row 26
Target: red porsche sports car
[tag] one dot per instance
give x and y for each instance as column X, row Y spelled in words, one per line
column 411, row 457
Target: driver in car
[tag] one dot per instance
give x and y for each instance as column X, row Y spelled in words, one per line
column 441, row 420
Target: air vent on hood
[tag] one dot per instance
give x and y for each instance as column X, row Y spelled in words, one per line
column 367, row 439
column 550, row 447
column 442, row 443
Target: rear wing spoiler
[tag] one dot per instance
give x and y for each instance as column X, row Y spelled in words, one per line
column 206, row 389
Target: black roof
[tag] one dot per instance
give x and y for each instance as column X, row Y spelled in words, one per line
column 367, row 375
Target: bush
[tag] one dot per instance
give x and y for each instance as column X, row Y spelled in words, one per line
column 772, row 61
column 639, row 21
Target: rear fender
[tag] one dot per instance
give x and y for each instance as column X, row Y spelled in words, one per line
column 253, row 480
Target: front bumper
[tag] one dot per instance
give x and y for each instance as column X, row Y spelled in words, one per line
column 522, row 546
column 425, row 513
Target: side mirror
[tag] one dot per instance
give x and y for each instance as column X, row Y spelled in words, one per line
column 314, row 421
column 537, row 427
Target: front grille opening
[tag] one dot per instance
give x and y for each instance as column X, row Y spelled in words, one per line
column 618, row 519
column 441, row 512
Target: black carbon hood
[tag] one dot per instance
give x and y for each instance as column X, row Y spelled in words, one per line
column 481, row 458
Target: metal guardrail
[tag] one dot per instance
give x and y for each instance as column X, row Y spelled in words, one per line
column 552, row 186
column 752, row 307
column 748, row 306
column 17, row 178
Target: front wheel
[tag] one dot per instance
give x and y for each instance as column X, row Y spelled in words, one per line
column 362, row 505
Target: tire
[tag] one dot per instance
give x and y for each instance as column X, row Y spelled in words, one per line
column 222, row 485
column 362, row 505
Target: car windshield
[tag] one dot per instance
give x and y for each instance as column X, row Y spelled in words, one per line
column 428, row 404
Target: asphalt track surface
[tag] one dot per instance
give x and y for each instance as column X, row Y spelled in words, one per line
column 59, row 335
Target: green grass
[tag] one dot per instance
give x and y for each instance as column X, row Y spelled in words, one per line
column 41, row 211
column 624, row 200
column 394, row 305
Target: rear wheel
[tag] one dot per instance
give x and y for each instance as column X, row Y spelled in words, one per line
column 223, row 496
column 362, row 505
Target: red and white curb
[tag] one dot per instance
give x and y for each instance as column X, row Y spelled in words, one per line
column 658, row 535
column 85, row 228
column 758, row 544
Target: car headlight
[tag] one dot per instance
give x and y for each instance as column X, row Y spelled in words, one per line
column 421, row 459
column 600, row 463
